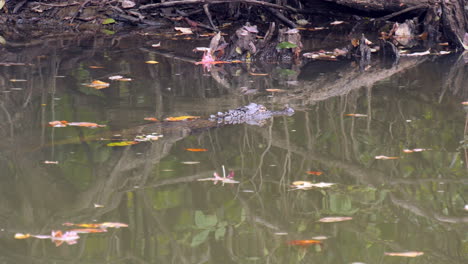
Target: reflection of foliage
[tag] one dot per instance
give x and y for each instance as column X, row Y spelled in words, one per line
column 207, row 224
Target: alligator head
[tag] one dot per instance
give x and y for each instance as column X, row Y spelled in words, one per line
column 252, row 114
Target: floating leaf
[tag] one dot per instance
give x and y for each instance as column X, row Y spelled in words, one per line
column 320, row 237
column 154, row 119
column 98, row 84
column 334, row 219
column 68, row 237
column 85, row 124
column 157, row 45
column 181, row 118
column 306, row 185
column 409, row 254
column 96, row 67
column 465, row 103
column 58, row 123
column 276, row 90
column 22, row 236
column 258, row 74
column 414, row 150
column 51, row 162
column 108, row 21
column 334, row 23
column 190, row 162
column 88, row 230
column 125, row 80
column 386, row 158
column 356, row 115
column 122, row 143
column 317, row 173
column 18, row 80
column 115, row 77
column 184, row 30
column 98, row 205
column 151, row 62
column 304, row 242
column 196, row 149
column 286, row 45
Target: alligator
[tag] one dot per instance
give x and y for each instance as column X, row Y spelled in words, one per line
column 252, row 114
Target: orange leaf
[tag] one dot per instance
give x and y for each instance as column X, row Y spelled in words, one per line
column 196, row 149
column 151, row 119
column 58, row 123
column 98, row 84
column 304, row 242
column 409, row 254
column 317, row 173
column 181, row 118
column 96, row 67
column 275, row 90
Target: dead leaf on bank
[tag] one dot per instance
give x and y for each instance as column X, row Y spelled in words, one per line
column 196, row 149
column 153, row 119
column 356, row 115
column 184, row 30
column 334, row 219
column 385, row 158
column 409, row 254
column 127, row 4
column 98, row 84
column 181, row 118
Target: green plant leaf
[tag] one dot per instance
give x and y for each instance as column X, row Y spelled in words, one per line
column 108, row 32
column 122, row 144
column 203, row 221
column 219, row 233
column 200, row 238
column 108, row 21
column 286, row 45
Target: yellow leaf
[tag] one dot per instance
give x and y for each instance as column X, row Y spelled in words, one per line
column 151, row 62
column 181, row 118
column 196, row 149
column 22, row 236
column 122, row 144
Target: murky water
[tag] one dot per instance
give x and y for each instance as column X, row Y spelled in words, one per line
column 414, row 202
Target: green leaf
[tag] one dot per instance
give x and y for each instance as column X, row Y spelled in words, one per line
column 108, row 32
column 220, row 233
column 108, row 21
column 203, row 221
column 286, row 45
column 200, row 238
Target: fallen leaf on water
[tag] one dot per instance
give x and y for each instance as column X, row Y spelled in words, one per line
column 258, row 74
column 317, row 173
column 196, row 149
column 150, row 137
column 116, row 77
column 122, row 143
column 275, row 90
column 306, row 185
column 409, row 254
column 88, row 230
column 58, row 123
column 98, row 205
column 98, row 225
column 414, row 150
column 334, row 219
column 190, row 162
column 68, row 237
column 125, row 80
column 151, row 119
column 85, row 124
column 320, row 237
column 181, row 118
column 157, row 45
column 334, row 23
column 112, row 225
column 304, row 242
column 18, row 80
column 356, row 115
column 51, row 162
column 385, row 158
column 98, row 84
column 466, row 207
column 96, row 67
column 151, row 62
column 22, row 236
column 465, row 103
